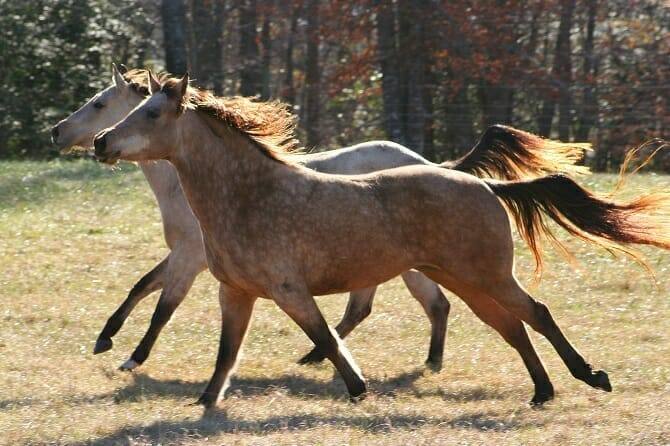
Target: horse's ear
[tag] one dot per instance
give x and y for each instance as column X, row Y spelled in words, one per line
column 154, row 84
column 118, row 78
column 183, row 86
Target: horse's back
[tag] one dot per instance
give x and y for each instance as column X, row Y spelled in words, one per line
column 362, row 158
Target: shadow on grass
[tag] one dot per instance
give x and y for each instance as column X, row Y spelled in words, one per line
column 216, row 421
column 219, row 423
column 144, row 387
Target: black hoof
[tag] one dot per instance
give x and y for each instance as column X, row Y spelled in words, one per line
column 540, row 398
column 207, row 400
column 600, row 380
column 543, row 394
column 313, row 357
column 358, row 398
column 357, row 392
column 102, row 345
column 434, row 364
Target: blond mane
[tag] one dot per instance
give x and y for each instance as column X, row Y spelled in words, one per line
column 270, row 125
column 137, row 80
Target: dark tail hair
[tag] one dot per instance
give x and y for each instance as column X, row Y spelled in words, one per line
column 512, row 154
column 613, row 225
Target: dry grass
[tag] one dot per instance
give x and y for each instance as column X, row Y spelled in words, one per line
column 74, row 237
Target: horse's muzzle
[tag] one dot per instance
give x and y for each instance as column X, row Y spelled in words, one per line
column 100, row 144
column 54, row 134
column 101, row 154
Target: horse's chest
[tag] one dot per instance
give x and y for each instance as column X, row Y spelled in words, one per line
column 232, row 261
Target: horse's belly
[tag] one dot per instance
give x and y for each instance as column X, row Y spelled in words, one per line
column 355, row 274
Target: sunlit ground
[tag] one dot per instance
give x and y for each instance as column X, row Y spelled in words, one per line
column 75, row 236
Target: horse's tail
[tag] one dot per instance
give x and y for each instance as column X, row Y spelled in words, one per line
column 513, row 154
column 644, row 220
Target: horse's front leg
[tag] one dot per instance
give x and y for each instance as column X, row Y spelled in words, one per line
column 236, row 309
column 299, row 304
column 358, row 308
column 150, row 282
column 178, row 280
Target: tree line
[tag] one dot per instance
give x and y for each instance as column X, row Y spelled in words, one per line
column 430, row 74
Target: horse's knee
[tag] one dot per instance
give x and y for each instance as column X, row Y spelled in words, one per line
column 441, row 305
column 365, row 311
column 438, row 308
column 542, row 315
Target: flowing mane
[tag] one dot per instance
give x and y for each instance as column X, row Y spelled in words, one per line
column 269, row 124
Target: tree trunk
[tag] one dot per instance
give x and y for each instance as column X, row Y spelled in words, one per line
column 496, row 102
column 173, row 14
column 312, row 75
column 589, row 110
column 404, row 39
column 388, row 62
column 561, row 78
column 267, row 56
column 564, row 70
column 251, row 76
column 416, row 112
column 460, row 129
column 207, row 60
column 429, row 121
column 289, row 86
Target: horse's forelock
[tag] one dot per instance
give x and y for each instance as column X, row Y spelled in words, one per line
column 137, row 80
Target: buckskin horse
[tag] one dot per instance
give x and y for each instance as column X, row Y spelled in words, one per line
column 357, row 231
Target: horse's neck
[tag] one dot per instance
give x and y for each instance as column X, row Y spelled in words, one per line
column 179, row 223
column 219, row 170
column 162, row 178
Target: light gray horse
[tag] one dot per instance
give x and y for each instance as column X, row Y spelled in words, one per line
column 502, row 151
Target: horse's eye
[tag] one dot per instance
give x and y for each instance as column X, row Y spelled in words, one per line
column 98, row 105
column 152, row 114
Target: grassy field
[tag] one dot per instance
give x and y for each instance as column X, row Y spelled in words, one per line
column 75, row 236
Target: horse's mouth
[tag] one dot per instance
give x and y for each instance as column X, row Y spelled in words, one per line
column 108, row 158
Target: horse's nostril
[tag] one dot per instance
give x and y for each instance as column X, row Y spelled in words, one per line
column 54, row 133
column 100, row 143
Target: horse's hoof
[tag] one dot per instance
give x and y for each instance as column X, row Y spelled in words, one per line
column 358, row 391
column 543, row 393
column 600, row 380
column 129, row 365
column 435, row 365
column 102, row 345
column 206, row 400
column 541, row 397
column 358, row 398
column 313, row 357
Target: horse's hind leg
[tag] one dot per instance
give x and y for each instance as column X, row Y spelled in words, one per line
column 150, row 282
column 514, row 332
column 179, row 277
column 511, row 296
column 358, row 308
column 437, row 307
